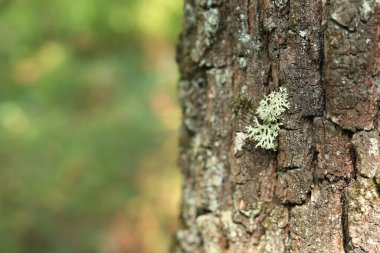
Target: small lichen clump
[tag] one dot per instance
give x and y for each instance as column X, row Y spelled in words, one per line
column 267, row 125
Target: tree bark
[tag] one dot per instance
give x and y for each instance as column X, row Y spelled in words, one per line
column 320, row 191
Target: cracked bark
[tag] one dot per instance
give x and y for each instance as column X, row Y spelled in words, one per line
column 320, row 191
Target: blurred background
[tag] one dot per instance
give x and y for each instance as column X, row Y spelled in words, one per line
column 88, row 125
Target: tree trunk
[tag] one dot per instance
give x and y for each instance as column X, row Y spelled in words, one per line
column 319, row 192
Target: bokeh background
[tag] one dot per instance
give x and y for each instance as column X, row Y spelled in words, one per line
column 88, row 125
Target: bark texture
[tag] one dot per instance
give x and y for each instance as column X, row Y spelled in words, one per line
column 320, row 191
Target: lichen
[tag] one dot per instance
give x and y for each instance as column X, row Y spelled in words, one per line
column 267, row 124
column 206, row 30
column 264, row 134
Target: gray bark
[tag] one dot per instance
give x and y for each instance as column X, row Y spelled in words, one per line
column 320, row 191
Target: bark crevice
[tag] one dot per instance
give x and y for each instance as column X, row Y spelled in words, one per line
column 345, row 232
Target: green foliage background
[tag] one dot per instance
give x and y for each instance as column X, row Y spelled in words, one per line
column 88, row 121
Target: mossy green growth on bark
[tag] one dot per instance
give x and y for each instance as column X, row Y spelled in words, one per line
column 242, row 107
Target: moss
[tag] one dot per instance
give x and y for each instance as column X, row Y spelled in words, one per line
column 242, row 107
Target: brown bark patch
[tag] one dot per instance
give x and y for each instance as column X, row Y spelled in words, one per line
column 316, row 226
column 363, row 217
column 333, row 147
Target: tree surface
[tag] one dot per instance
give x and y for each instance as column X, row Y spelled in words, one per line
column 319, row 192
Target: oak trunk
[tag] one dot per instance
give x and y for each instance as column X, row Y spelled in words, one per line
column 319, row 192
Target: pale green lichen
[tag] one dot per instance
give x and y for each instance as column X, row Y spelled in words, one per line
column 266, row 126
column 264, row 134
column 272, row 106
